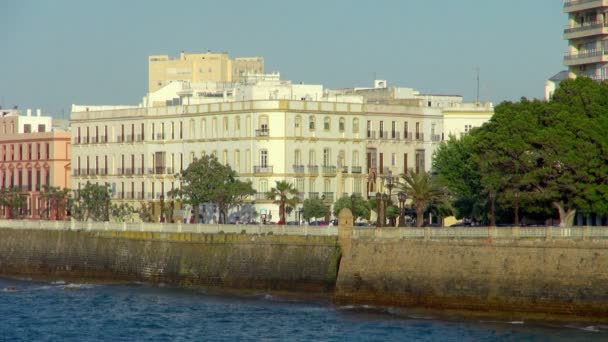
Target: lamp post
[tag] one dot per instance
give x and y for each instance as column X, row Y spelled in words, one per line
column 162, row 207
column 380, row 198
column 401, row 196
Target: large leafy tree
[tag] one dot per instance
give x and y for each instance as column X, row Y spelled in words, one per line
column 207, row 180
column 285, row 195
column 359, row 207
column 314, row 207
column 422, row 189
column 539, row 155
column 92, row 202
column 454, row 163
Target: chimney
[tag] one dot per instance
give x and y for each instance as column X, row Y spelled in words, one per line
column 38, row 112
column 29, row 112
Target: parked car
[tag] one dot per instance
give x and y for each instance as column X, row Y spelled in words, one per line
column 318, row 223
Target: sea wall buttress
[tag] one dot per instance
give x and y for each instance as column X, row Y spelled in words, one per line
column 536, row 277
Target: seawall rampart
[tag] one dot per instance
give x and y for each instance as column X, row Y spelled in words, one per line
column 280, row 262
column 543, row 277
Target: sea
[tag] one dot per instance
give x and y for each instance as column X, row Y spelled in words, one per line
column 65, row 311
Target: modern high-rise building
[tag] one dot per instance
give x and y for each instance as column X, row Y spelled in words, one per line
column 200, row 67
column 587, row 36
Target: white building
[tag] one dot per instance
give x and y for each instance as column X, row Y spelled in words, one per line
column 327, row 143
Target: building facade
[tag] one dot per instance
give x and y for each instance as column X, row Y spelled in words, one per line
column 587, row 36
column 200, row 67
column 32, row 156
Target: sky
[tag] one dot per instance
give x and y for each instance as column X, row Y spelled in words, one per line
column 56, row 53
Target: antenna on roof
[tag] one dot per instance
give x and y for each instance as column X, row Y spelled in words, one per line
column 477, row 70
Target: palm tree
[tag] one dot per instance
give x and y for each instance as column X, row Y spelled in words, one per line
column 422, row 189
column 283, row 194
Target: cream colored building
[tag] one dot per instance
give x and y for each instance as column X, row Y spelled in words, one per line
column 328, row 144
column 200, row 67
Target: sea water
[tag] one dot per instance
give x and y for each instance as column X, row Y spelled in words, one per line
column 64, row 311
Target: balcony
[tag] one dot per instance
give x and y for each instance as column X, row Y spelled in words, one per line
column 383, row 135
column 328, row 170
column 261, row 196
column 128, row 171
column 371, row 135
column 581, row 5
column 264, row 132
column 419, row 136
column 585, row 30
column 139, row 137
column 355, row 169
column 262, row 169
column 313, row 195
column 343, row 169
column 436, row 137
column 408, row 136
column 313, row 169
column 395, row 135
column 102, row 139
column 138, row 171
column 328, row 197
column 129, row 138
column 160, row 136
column 298, row 168
column 586, row 57
column 120, row 139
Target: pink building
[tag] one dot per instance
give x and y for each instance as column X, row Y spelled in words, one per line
column 32, row 155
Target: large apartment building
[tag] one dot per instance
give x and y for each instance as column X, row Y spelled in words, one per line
column 587, row 36
column 200, row 67
column 326, row 143
column 32, row 155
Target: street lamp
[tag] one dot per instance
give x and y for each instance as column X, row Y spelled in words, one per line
column 401, row 196
column 380, row 198
column 162, row 207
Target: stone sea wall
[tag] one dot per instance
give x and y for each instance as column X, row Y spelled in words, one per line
column 535, row 277
column 226, row 260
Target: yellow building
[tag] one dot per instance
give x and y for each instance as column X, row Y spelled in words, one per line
column 200, row 67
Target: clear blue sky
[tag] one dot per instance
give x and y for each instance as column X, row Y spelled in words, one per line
column 55, row 53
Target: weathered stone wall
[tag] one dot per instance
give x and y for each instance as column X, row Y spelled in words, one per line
column 227, row 260
column 532, row 276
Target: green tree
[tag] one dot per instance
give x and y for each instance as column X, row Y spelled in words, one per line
column 314, row 207
column 57, row 200
column 207, row 180
column 423, row 190
column 14, row 200
column 92, row 202
column 285, row 195
column 359, row 207
column 457, row 171
column 121, row 212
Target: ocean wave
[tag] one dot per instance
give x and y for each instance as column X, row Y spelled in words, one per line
column 77, row 286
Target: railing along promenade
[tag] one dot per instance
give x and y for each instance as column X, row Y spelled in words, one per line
column 172, row 227
column 546, row 233
column 505, row 233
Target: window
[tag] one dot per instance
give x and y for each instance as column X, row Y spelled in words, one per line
column 419, row 161
column 327, row 185
column 27, row 128
column 467, row 128
column 237, row 125
column 355, row 161
column 181, row 130
column 393, row 159
column 381, row 129
column 406, row 135
column 225, row 125
column 29, row 152
column 225, row 157
column 172, row 130
column 405, row 163
column 48, row 151
column 191, row 129
column 263, row 158
column 393, row 129
column 311, row 123
column 326, row 123
column 299, row 184
column 203, row 128
column 41, row 128
column 341, row 158
column 355, row 125
column 297, row 157
column 237, row 160
column 312, row 157
column 369, row 128
column 263, row 186
column 341, row 125
column 356, row 185
column 20, row 154
column 38, row 151
column 326, row 157
column 298, row 125
column 311, row 185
